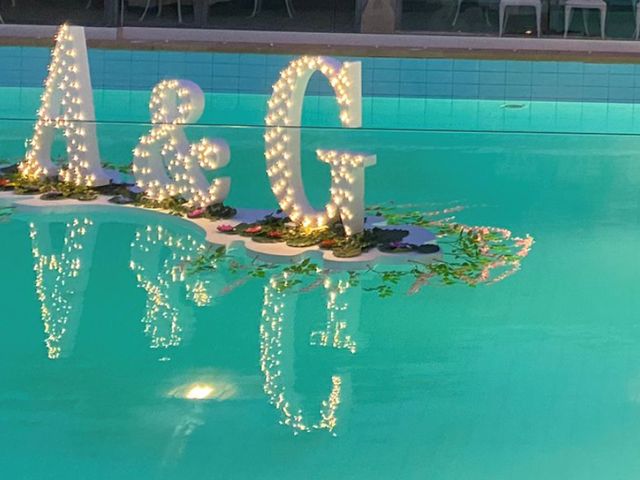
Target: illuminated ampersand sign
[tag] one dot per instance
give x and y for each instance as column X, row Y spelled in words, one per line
column 283, row 145
column 164, row 163
column 67, row 105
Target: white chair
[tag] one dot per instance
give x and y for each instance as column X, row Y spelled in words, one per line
column 585, row 5
column 504, row 13
column 257, row 6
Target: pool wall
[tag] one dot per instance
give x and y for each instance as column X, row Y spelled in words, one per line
column 382, row 77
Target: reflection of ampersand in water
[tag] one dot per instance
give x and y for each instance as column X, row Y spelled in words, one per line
column 158, row 258
column 277, row 347
column 61, row 278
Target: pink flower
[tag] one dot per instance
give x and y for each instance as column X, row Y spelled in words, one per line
column 255, row 229
column 197, row 213
column 225, row 228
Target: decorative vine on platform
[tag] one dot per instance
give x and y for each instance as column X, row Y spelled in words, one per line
column 470, row 255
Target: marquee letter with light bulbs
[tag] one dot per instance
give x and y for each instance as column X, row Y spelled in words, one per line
column 283, row 137
column 175, row 103
column 67, row 105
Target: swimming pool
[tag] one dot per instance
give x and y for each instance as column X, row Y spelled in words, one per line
column 151, row 374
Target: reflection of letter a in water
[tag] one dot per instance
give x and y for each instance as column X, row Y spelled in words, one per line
column 61, row 278
column 277, row 353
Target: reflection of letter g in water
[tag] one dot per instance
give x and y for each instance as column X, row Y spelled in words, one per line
column 175, row 103
column 277, row 351
column 283, row 136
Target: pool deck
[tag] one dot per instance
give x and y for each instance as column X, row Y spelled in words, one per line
column 376, row 45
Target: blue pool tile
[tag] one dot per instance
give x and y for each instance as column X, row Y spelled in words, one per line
column 518, row 78
column 570, row 79
column 386, row 63
column 466, row 77
column 386, row 75
column 412, row 64
column 15, row 63
column 569, row 92
column 36, row 52
column 252, row 70
column 621, row 94
column 519, row 66
column 118, row 55
column 545, row 67
column 493, row 66
column 122, row 68
column 145, row 56
column 438, row 64
column 622, row 69
column 570, row 67
column 492, row 78
column 491, row 92
column 442, row 90
column 35, row 65
column 224, row 58
column 599, row 68
column 594, row 93
column 140, row 82
column 10, row 78
column 226, row 69
column 413, row 76
column 616, row 80
column 517, row 92
column 543, row 92
column 6, row 52
column 386, row 89
column 203, row 80
column 253, row 59
column 413, row 89
column 466, row 65
column 198, row 57
column 544, row 78
column 596, row 80
column 439, row 76
column 469, row 90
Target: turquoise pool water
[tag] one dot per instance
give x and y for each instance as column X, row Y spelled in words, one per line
column 535, row 377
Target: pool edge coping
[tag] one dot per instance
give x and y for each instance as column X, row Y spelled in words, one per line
column 409, row 45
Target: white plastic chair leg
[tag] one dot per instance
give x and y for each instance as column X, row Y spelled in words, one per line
column 159, row 8
column 146, row 9
column 122, row 13
column 636, row 34
column 257, row 6
column 584, row 20
column 87, row 6
column 502, row 20
column 568, row 12
column 538, row 19
column 603, row 22
column 455, row 18
column 179, row 12
column 289, row 8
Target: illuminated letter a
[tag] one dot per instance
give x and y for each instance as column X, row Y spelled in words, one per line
column 67, row 105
